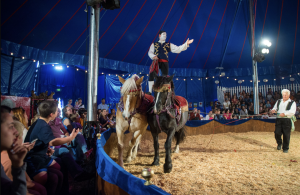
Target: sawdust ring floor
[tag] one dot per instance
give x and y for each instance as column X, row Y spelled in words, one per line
column 233, row 163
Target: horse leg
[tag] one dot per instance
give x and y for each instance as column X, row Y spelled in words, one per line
column 179, row 135
column 156, row 148
column 168, row 160
column 132, row 143
column 120, row 147
column 137, row 143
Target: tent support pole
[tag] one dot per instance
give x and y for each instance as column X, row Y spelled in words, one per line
column 93, row 64
column 254, row 63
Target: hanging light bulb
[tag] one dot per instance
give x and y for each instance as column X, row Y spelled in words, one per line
column 199, row 79
column 123, row 74
column 77, row 69
column 11, row 53
column 227, row 77
column 23, row 57
column 206, row 78
column 52, row 64
column 67, row 66
column 108, row 74
column 274, row 79
column 235, row 79
column 213, row 77
column 44, row 63
column 34, row 61
column 191, row 79
column 86, row 71
column 250, row 81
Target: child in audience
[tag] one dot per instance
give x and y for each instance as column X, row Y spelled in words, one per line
column 42, row 168
column 21, row 116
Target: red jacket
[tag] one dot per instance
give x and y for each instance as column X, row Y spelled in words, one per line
column 192, row 116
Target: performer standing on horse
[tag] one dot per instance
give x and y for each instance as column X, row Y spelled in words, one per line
column 286, row 109
column 158, row 52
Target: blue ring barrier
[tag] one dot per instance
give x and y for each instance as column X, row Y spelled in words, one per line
column 111, row 172
column 230, row 122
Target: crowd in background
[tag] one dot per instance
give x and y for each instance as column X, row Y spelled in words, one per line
column 241, row 105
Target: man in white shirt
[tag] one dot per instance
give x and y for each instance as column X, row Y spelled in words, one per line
column 158, row 52
column 226, row 104
column 286, row 109
column 103, row 105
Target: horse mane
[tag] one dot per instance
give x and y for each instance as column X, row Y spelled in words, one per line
column 129, row 84
column 160, row 81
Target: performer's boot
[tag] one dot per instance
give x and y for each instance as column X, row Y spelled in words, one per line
column 150, row 85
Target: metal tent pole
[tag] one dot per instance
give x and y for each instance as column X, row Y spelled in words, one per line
column 254, row 63
column 93, row 63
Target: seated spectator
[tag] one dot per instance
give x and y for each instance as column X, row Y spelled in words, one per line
column 111, row 123
column 269, row 96
column 75, row 121
column 268, row 105
column 217, row 114
column 76, row 105
column 201, row 116
column 261, row 99
column 243, row 112
column 241, row 97
column 194, row 115
column 243, row 103
column 21, row 116
column 32, row 187
column 103, row 120
column 98, row 114
column 226, row 103
column 82, row 113
column 234, row 116
column 70, row 103
column 208, row 115
column 41, row 167
column 236, row 112
column 226, row 115
column 80, row 105
column 251, row 109
column 234, row 100
column 16, row 154
column 211, row 117
column 265, row 114
column 103, row 105
column 113, row 112
column 261, row 110
column 246, row 99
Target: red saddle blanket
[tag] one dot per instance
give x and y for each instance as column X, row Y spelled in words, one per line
column 180, row 101
column 150, row 98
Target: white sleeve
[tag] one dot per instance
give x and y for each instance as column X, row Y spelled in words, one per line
column 178, row 49
column 151, row 52
column 292, row 111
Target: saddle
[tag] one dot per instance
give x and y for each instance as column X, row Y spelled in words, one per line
column 181, row 103
column 146, row 104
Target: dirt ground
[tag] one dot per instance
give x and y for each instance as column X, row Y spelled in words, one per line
column 232, row 163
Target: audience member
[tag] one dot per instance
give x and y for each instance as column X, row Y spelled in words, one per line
column 102, row 119
column 16, row 154
column 80, row 105
column 21, row 116
column 82, row 113
column 103, row 105
column 226, row 103
column 70, row 103
column 194, row 115
column 113, row 112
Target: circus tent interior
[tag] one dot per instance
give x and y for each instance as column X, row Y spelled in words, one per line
column 39, row 36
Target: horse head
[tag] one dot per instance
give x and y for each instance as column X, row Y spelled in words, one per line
column 131, row 93
column 162, row 87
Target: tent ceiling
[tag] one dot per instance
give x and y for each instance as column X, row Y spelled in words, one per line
column 126, row 33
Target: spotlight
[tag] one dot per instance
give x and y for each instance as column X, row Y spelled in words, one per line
column 191, row 79
column 23, row 57
column 243, row 80
column 282, row 77
column 147, row 74
column 140, row 73
column 34, row 61
column 108, row 74
column 129, row 74
column 86, row 71
column 264, row 50
column 227, row 77
column 44, row 63
column 102, row 73
column 58, row 67
column 206, row 78
column 177, row 79
column 123, row 75
column 52, row 64
column 199, row 79
column 250, row 81
column 213, row 77
column 274, row 79
column 67, row 66
column 11, row 53
column 266, row 43
column 77, row 69
column 235, row 79
column 184, row 79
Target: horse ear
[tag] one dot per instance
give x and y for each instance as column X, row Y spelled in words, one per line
column 170, row 78
column 139, row 81
column 121, row 80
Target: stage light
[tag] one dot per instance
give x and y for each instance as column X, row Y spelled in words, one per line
column 282, row 77
column 23, row 57
column 52, row 64
column 274, row 79
column 147, row 74
column 184, row 79
column 86, row 71
column 58, row 67
column 116, row 75
column 199, row 79
column 129, row 74
column 227, row 77
column 265, row 80
column 44, row 63
column 77, row 69
column 206, row 78
column 213, row 77
column 108, row 74
column 266, row 43
column 235, row 79
column 259, row 57
column 217, row 82
column 220, row 75
column 123, row 75
column 11, row 53
column 240, row 81
column 290, row 75
column 191, row 79
column 258, row 80
column 243, row 80
column 67, row 66
column 140, row 73
column 34, row 61
column 177, row 79
column 102, row 73
column 292, row 79
column 250, row 81
column 264, row 50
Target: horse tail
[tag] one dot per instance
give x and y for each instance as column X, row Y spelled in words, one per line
column 180, row 135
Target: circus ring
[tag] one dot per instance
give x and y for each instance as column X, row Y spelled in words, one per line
column 112, row 179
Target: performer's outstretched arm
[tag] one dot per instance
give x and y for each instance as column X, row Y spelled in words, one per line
column 183, row 47
column 151, row 52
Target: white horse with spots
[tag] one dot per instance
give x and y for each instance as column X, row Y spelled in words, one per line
column 129, row 118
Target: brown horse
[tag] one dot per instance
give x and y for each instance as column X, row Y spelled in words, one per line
column 129, row 116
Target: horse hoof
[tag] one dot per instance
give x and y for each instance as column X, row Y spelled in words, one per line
column 155, row 164
column 128, row 160
column 176, row 151
column 167, row 170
